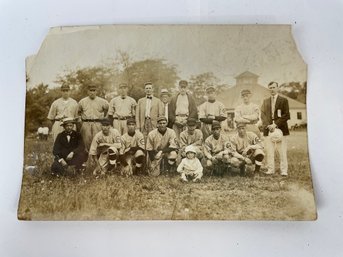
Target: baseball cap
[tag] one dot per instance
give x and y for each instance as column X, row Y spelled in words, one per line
column 112, row 155
column 191, row 122
column 183, row 83
column 105, row 122
column 65, row 87
column 161, row 118
column 245, row 92
column 131, row 120
column 210, row 88
column 240, row 125
column 164, row 92
column 216, row 124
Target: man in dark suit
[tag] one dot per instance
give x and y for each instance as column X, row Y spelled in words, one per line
column 69, row 149
column 274, row 115
column 181, row 107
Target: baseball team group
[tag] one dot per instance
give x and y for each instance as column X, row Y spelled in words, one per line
column 188, row 133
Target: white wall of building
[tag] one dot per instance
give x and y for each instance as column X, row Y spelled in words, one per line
column 298, row 116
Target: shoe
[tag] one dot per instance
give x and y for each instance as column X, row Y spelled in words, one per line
column 284, row 174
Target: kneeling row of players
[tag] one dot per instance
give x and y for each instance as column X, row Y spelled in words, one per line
column 160, row 152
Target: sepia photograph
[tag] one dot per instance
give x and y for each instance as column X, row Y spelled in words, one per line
column 166, row 122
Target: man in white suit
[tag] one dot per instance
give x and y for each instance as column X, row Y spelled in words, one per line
column 147, row 111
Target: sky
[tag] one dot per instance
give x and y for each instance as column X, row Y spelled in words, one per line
column 226, row 50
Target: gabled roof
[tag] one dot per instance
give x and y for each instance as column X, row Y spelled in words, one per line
column 246, row 74
column 231, row 97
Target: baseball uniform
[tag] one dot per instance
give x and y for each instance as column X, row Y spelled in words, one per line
column 101, row 144
column 91, row 112
column 121, row 108
column 248, row 114
column 213, row 108
column 167, row 143
column 196, row 140
column 60, row 109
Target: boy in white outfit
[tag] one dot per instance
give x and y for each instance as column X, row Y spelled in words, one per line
column 190, row 167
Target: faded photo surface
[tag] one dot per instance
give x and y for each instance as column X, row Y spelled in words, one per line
column 166, row 122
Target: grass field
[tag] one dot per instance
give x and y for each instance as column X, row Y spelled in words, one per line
column 113, row 197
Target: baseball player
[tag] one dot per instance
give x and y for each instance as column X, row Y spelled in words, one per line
column 105, row 148
column 248, row 113
column 68, row 148
column 63, row 107
column 122, row 108
column 191, row 136
column 162, row 148
column 210, row 111
column 133, row 148
column 249, row 148
column 190, row 167
column 215, row 152
column 92, row 110
column 182, row 107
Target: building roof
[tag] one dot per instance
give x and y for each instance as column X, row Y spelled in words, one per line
column 231, row 97
column 246, row 74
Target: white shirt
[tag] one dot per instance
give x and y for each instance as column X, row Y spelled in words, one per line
column 148, row 107
column 166, row 110
column 273, row 101
column 182, row 105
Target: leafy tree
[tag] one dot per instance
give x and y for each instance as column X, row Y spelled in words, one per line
column 203, row 80
column 156, row 71
column 38, row 101
column 102, row 77
column 295, row 90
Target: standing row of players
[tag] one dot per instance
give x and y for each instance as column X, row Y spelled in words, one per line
column 154, row 133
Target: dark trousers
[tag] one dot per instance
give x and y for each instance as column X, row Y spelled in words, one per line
column 77, row 161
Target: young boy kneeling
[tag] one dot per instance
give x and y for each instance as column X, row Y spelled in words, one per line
column 190, row 167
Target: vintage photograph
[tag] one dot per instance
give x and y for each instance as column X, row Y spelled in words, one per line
column 166, row 122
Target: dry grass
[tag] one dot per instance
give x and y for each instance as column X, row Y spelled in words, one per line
column 44, row 197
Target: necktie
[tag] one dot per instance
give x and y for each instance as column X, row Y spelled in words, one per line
column 149, row 97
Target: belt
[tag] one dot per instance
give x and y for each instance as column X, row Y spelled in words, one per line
column 57, row 119
column 123, row 118
column 182, row 115
column 91, row 120
column 147, row 118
